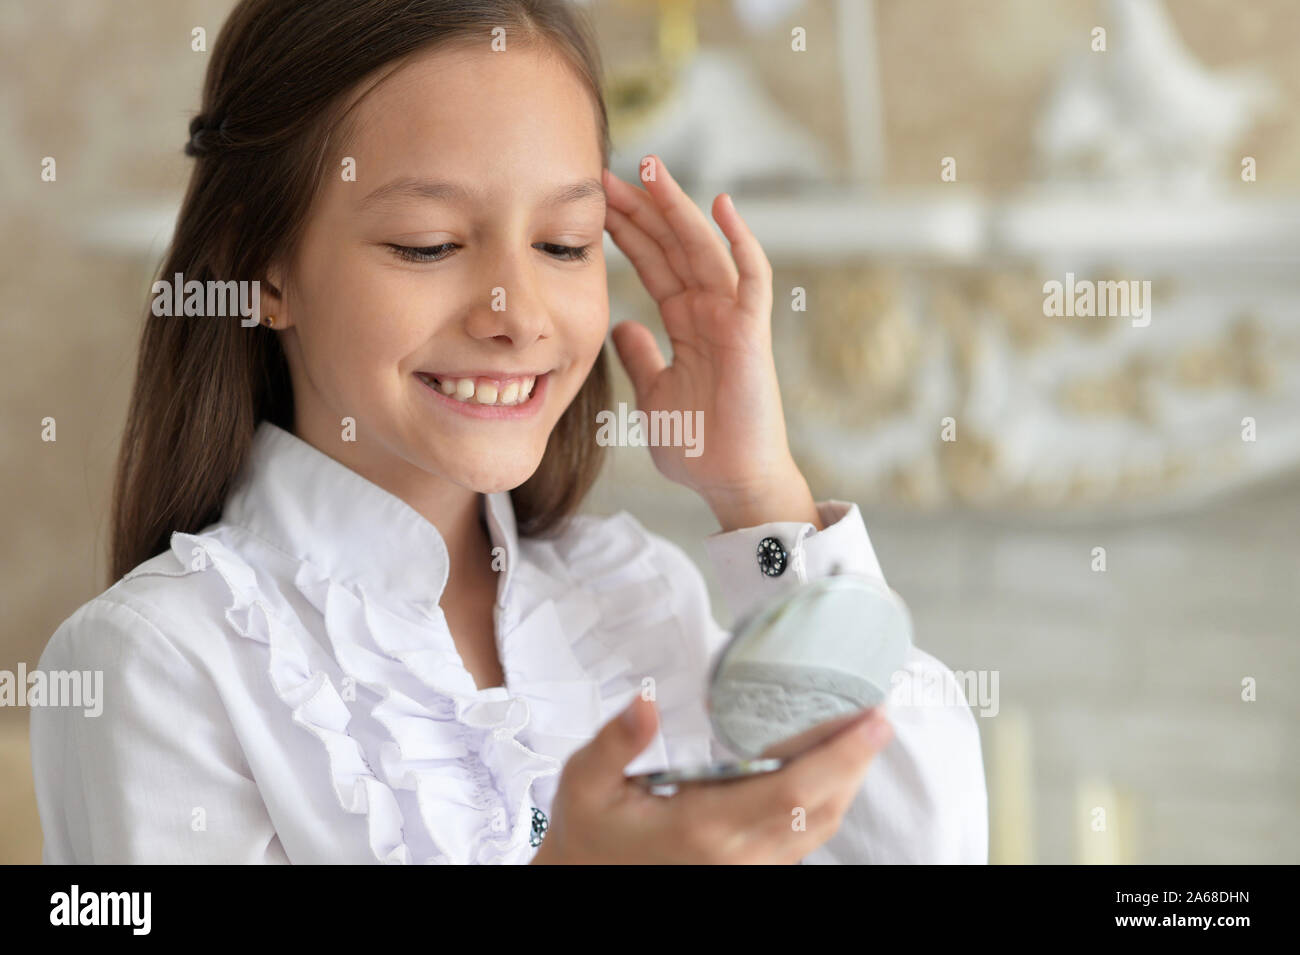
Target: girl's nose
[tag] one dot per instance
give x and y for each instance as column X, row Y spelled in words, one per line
column 511, row 309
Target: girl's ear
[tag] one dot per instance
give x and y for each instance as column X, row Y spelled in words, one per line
column 273, row 301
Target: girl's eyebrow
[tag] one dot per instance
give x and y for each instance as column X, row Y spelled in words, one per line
column 442, row 190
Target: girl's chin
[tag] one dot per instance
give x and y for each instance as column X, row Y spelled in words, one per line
column 492, row 477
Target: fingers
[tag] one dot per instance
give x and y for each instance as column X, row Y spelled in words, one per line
column 599, row 765
column 813, row 782
column 638, row 207
column 710, row 263
column 850, row 750
column 646, row 255
column 755, row 285
column 802, row 742
column 819, row 791
column 665, row 213
column 640, row 355
column 845, row 758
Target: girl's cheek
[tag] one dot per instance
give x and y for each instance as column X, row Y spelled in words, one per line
column 368, row 323
column 588, row 311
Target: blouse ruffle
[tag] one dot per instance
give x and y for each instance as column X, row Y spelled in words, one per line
column 476, row 762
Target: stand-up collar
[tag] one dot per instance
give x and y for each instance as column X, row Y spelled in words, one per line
column 305, row 503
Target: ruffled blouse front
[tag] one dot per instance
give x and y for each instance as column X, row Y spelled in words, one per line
column 283, row 686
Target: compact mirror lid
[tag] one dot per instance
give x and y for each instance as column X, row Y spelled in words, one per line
column 809, row 658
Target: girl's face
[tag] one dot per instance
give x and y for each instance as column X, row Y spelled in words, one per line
column 466, row 257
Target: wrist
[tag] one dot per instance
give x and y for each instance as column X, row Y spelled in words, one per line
column 785, row 497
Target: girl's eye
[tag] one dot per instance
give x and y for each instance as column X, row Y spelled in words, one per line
column 433, row 253
column 424, row 253
column 568, row 252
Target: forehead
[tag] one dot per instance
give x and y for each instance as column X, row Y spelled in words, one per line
column 499, row 117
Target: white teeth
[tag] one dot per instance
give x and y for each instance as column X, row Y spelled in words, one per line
column 514, row 391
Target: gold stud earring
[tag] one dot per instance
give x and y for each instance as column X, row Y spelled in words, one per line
column 269, row 321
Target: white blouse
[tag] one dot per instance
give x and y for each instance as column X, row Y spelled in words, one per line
column 282, row 686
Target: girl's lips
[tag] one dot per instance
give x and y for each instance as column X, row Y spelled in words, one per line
column 472, row 409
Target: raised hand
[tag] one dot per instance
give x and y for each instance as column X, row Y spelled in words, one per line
column 716, row 306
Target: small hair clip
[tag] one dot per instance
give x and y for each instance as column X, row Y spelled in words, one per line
column 202, row 129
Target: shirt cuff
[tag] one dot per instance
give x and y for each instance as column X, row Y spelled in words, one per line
column 842, row 546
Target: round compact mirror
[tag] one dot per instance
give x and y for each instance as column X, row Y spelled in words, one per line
column 797, row 670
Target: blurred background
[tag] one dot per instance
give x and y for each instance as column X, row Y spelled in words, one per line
column 1101, row 513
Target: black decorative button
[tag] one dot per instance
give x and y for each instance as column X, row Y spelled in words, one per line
column 771, row 557
column 539, row 828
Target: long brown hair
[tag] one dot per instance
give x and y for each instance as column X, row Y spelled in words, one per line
column 273, row 107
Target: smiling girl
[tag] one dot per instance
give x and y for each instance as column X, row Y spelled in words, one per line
column 358, row 618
